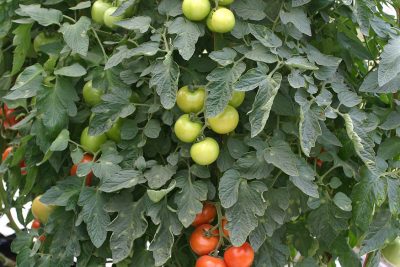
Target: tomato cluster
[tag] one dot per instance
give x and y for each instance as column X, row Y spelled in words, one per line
column 7, row 152
column 7, row 117
column 205, row 241
column 103, row 13
column 188, row 128
column 219, row 19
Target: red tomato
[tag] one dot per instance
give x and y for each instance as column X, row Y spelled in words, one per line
column 35, row 224
column 209, row 261
column 319, row 163
column 203, row 241
column 207, row 215
column 239, row 256
column 6, row 153
column 224, row 222
column 42, row 238
column 74, row 168
column 23, row 167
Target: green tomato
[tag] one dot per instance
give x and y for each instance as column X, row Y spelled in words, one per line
column 98, row 9
column 190, row 101
column 92, row 143
column 109, row 20
column 392, row 252
column 41, row 39
column 196, row 10
column 209, row 22
column 40, row 210
column 187, row 130
column 115, row 131
column 92, row 96
column 205, row 152
column 222, row 20
column 225, row 2
column 385, row 98
column 237, row 99
column 225, row 122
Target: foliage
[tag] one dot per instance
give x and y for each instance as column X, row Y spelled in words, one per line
column 312, row 169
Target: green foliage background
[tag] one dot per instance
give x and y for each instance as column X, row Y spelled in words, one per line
column 312, row 71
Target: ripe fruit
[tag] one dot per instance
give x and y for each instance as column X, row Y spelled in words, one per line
column 74, row 168
column 209, row 261
column 98, row 9
column 91, row 95
column 196, row 10
column 237, row 99
column 222, row 20
column 40, row 210
column 92, row 143
column 239, row 256
column 207, row 215
column 319, row 163
column 6, row 152
column 190, row 100
column 35, row 224
column 23, row 167
column 225, row 122
column 109, row 20
column 205, row 152
column 202, row 240
column 42, row 238
column 225, row 2
column 115, row 131
column 187, row 130
column 392, row 252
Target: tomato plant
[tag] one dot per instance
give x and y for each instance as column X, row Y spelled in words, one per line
column 275, row 123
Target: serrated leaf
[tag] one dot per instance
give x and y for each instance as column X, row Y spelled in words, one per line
column 22, row 43
column 252, row 79
column 44, row 16
column 64, row 193
column 280, row 155
column 159, row 175
column 75, row 35
column 187, row 34
column 272, row 253
column 301, row 63
column 299, row 19
column 158, row 195
column 28, row 82
column 140, row 23
column 122, row 179
column 265, row 35
column 389, row 66
column 152, row 129
column 305, row 180
column 250, row 9
column 224, row 57
column 74, row 70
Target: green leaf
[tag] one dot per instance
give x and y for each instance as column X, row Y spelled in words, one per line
column 81, row 5
column 252, row 79
column 253, row 166
column 220, row 88
column 274, row 252
column 265, row 35
column 140, row 23
column 159, row 175
column 128, row 225
column 393, row 191
column 250, row 9
column 170, row 7
column 299, row 19
column 96, row 219
column 28, row 82
column 281, row 156
column 263, row 102
column 389, row 66
column 304, row 181
column 76, row 35
column 342, row 201
column 22, row 42
column 43, row 16
column 300, row 63
column 64, row 194
column 189, row 198
column 75, row 70
column 158, row 195
column 61, row 142
column 152, row 129
column 187, row 34
column 224, row 57
column 392, row 121
column 122, row 179
column 165, row 77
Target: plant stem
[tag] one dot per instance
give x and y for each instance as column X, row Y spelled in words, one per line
column 220, row 229
column 3, row 197
column 101, row 45
column 6, row 262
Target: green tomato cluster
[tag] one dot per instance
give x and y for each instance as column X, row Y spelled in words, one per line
column 188, row 127
column 220, row 19
column 102, row 13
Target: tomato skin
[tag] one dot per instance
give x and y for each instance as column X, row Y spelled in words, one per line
column 42, row 238
column 91, row 143
column 40, row 210
column 22, row 164
column 225, row 2
column 201, row 243
column 98, row 9
column 115, row 131
column 86, row 158
column 319, row 163
column 224, row 223
column 392, row 252
column 6, row 152
column 222, row 20
column 109, row 20
column 190, row 101
column 239, row 256
column 187, row 130
column 207, row 215
column 91, row 95
column 209, row 261
column 35, row 224
column 196, row 10
column 42, row 39
column 225, row 122
column 205, row 152
column 237, row 99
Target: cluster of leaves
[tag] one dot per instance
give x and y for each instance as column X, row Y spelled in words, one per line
column 312, row 70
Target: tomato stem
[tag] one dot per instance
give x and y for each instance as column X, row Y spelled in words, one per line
column 220, row 228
